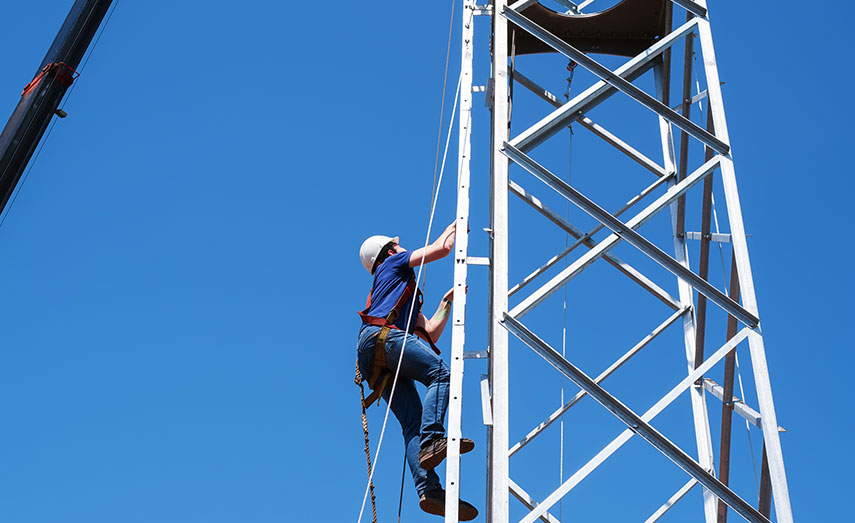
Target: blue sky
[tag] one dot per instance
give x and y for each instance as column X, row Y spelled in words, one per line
column 181, row 280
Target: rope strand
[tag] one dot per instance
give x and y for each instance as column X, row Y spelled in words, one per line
column 357, row 378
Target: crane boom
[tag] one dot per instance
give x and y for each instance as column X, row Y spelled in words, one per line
column 41, row 97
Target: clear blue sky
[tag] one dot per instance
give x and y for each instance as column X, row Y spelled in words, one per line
column 180, row 277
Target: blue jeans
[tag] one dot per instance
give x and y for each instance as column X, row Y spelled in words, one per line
column 420, row 364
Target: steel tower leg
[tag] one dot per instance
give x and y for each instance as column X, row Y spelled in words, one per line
column 498, row 364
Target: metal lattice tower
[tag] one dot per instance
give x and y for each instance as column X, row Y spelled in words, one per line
column 645, row 32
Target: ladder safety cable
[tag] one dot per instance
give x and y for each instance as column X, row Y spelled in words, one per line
column 442, row 107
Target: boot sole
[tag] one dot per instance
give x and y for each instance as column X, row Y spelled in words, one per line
column 433, row 461
column 465, row 512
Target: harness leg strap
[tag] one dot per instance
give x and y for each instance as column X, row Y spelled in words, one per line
column 380, row 373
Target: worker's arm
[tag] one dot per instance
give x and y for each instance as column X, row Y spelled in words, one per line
column 440, row 248
column 436, row 324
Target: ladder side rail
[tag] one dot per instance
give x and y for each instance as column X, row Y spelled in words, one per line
column 461, row 246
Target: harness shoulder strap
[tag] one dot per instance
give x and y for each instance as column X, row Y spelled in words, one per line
column 381, row 374
column 402, row 299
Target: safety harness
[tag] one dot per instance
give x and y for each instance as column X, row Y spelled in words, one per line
column 381, row 373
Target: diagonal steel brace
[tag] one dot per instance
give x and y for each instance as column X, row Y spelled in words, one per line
column 617, row 81
column 588, row 99
column 634, row 421
column 585, row 239
column 627, row 233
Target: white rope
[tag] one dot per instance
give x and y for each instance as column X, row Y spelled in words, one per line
column 412, row 307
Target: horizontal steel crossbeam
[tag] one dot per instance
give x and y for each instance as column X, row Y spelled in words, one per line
column 617, row 81
column 634, row 421
column 740, row 407
column 627, row 233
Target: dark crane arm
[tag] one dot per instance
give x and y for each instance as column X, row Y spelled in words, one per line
column 41, row 97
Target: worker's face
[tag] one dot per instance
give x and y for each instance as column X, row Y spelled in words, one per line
column 397, row 248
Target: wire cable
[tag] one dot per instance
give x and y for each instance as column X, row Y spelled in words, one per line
column 442, row 106
column 401, row 495
column 571, row 67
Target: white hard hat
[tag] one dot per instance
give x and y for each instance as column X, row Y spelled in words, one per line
column 371, row 249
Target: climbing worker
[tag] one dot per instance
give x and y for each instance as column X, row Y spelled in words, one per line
column 386, row 334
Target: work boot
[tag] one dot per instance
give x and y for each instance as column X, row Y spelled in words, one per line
column 433, row 453
column 433, row 502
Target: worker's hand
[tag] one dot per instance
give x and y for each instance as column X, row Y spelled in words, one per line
column 449, row 235
column 449, row 296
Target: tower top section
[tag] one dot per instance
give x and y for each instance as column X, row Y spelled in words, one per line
column 625, row 29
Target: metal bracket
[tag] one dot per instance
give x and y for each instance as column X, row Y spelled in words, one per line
column 482, row 10
column 714, row 236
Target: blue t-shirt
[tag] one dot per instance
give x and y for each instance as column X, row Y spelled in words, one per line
column 390, row 280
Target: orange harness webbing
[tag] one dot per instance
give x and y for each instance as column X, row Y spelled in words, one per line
column 381, row 373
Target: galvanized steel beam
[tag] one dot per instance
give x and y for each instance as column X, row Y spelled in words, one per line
column 616, row 81
column 628, row 233
column 635, row 422
column 597, row 93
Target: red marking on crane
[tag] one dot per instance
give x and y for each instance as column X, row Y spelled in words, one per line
column 65, row 74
